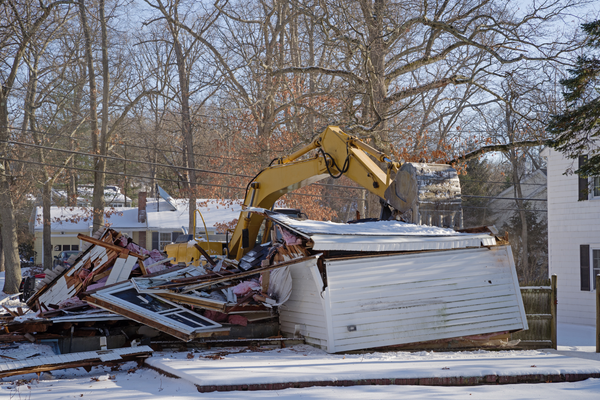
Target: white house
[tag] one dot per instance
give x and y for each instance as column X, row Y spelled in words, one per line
column 154, row 223
column 573, row 238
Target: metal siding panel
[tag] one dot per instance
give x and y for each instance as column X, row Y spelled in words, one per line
column 418, row 312
column 406, row 325
column 305, row 306
column 408, row 302
column 425, row 296
column 419, row 336
column 372, row 288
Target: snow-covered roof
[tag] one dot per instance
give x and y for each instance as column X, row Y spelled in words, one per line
column 380, row 235
column 79, row 219
column 158, row 216
column 214, row 212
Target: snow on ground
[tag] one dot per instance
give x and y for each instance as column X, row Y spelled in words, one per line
column 576, row 338
column 304, row 363
column 132, row 383
column 129, row 382
column 576, row 352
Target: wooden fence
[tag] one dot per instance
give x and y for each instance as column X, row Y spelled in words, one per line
column 539, row 299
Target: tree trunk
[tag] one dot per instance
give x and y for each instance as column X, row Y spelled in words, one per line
column 9, row 224
column 72, row 183
column 1, row 256
column 186, row 126
column 98, row 199
column 47, row 221
column 524, row 256
column 514, row 159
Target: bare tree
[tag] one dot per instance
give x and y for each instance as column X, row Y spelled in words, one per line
column 101, row 138
column 23, row 27
column 393, row 52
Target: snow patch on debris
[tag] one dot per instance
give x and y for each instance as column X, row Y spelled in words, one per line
column 375, row 228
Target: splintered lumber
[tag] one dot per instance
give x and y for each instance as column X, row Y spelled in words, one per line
column 196, row 301
column 113, row 247
column 73, row 360
column 212, row 281
column 102, row 258
column 265, row 281
column 121, row 268
column 205, row 254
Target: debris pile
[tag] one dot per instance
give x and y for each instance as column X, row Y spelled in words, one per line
column 115, row 279
column 341, row 287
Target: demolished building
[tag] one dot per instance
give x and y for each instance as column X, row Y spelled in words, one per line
column 340, row 287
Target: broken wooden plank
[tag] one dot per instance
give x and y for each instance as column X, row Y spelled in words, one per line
column 205, row 254
column 212, row 281
column 197, row 301
column 113, row 247
column 75, row 360
column 117, row 270
column 264, row 287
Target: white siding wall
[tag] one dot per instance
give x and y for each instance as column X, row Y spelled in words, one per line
column 305, row 306
column 419, row 297
column 570, row 224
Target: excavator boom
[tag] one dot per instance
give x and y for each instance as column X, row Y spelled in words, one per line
column 338, row 153
column 419, row 193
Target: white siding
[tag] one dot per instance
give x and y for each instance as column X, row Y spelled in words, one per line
column 425, row 296
column 305, row 306
column 571, row 223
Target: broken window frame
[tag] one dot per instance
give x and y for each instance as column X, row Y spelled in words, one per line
column 167, row 320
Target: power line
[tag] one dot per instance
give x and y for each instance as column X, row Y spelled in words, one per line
column 114, row 173
column 164, row 179
column 508, row 183
column 194, row 169
column 501, row 198
column 507, row 209
column 124, row 159
column 130, row 145
column 234, row 187
column 154, row 164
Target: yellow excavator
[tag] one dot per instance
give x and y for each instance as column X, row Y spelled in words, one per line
column 413, row 192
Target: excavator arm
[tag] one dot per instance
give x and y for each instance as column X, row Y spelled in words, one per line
column 338, row 153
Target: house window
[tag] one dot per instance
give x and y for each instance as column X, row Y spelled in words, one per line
column 165, row 238
column 596, row 186
column 161, row 239
column 596, row 265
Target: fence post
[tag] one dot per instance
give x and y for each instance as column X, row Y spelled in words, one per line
column 553, row 303
column 597, row 313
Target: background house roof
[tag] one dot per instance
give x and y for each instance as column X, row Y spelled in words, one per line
column 159, row 216
column 79, row 219
column 213, row 211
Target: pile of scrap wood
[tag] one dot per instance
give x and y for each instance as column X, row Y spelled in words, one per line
column 115, row 279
